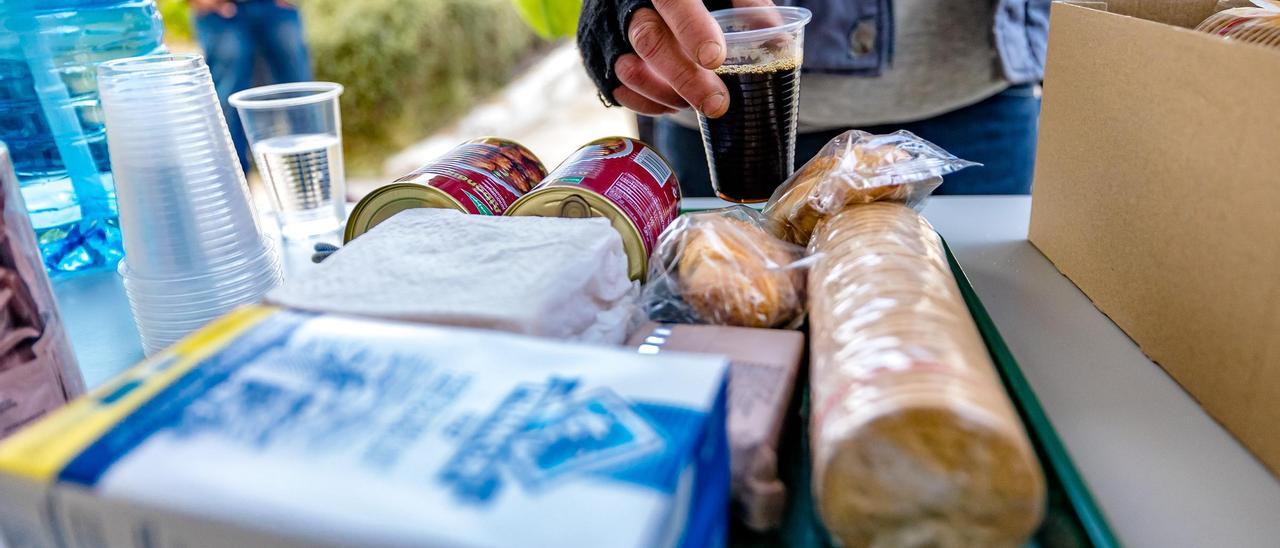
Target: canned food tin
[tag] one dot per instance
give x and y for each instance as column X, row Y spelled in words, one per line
column 483, row 176
column 618, row 178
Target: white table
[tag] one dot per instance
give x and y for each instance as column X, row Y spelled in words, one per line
column 1163, row 471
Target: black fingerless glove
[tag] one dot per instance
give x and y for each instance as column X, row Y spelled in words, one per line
column 602, row 38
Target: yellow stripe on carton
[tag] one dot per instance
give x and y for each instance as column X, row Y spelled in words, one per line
column 40, row 451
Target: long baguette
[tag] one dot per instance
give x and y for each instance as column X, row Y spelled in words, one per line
column 915, row 442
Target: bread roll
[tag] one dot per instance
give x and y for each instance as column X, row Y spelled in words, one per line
column 915, row 442
column 830, row 183
column 733, row 272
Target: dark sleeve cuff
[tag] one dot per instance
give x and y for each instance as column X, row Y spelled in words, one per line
column 602, row 38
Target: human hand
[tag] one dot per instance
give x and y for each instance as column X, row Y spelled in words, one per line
column 676, row 48
column 225, row 8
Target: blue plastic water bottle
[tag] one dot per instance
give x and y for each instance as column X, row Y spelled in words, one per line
column 51, row 118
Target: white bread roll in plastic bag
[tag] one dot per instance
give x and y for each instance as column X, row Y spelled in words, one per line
column 915, row 442
column 857, row 167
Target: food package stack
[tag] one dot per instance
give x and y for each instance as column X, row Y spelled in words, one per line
column 549, row 277
column 915, row 442
column 278, row 428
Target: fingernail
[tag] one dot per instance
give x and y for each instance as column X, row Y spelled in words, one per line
column 713, row 103
column 708, row 54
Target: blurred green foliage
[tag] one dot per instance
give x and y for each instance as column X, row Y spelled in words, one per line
column 411, row 66
column 177, row 20
column 550, row 18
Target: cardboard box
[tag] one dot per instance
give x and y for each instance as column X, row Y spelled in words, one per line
column 763, row 367
column 1157, row 192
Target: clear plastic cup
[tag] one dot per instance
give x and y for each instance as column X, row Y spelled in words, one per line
column 184, row 205
column 222, row 279
column 751, row 148
column 170, row 313
column 189, row 320
column 178, row 326
column 193, row 247
column 229, row 255
column 295, row 131
column 181, row 326
column 160, row 294
column 244, row 271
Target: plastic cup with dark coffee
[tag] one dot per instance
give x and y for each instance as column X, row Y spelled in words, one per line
column 751, row 148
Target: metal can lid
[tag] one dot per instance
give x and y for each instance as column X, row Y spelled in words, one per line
column 580, row 203
column 386, row 201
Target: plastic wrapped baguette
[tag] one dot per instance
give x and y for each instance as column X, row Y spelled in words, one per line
column 915, row 442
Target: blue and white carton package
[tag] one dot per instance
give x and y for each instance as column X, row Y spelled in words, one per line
column 275, row 428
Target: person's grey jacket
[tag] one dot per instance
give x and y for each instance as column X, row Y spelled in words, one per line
column 856, row 36
column 853, row 37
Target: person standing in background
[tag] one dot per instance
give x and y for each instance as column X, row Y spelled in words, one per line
column 963, row 74
column 234, row 34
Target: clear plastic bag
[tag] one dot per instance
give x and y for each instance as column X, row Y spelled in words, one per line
column 1224, row 5
column 1257, row 24
column 725, row 267
column 857, row 167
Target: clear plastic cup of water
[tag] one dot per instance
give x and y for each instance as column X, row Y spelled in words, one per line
column 295, row 131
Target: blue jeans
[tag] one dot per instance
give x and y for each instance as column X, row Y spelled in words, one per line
column 259, row 29
column 999, row 132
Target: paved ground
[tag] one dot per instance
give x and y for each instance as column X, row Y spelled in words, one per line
column 551, row 108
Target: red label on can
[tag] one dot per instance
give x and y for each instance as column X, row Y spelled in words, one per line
column 486, row 176
column 632, row 176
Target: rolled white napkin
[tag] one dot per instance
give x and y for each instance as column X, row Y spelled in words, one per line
column 559, row 278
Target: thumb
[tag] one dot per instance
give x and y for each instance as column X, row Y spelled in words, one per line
column 752, row 3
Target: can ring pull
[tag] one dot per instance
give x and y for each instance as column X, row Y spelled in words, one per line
column 574, row 207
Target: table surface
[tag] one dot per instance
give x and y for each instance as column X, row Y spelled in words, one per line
column 1163, row 471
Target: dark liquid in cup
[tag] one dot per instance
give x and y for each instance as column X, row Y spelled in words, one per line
column 751, row 148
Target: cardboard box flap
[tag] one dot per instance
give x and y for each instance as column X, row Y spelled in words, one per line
column 1163, row 23
column 1179, row 13
column 1156, row 192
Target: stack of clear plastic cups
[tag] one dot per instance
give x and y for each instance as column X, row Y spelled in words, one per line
column 193, row 249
